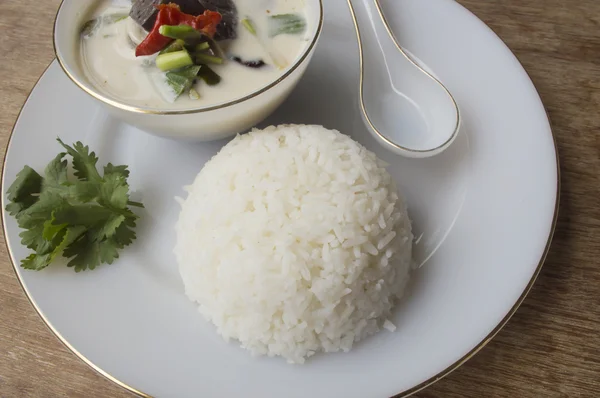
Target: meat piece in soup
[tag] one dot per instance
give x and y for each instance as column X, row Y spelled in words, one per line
column 144, row 12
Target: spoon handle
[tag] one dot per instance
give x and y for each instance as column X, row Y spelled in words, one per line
column 405, row 107
column 372, row 27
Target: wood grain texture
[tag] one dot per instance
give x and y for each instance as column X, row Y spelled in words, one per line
column 551, row 347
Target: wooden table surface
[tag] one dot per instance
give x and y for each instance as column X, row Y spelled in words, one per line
column 551, row 347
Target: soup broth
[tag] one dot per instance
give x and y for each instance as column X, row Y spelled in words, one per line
column 267, row 43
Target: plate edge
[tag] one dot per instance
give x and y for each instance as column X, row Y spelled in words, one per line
column 403, row 394
column 483, row 343
column 15, row 269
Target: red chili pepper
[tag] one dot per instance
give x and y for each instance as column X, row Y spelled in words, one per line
column 206, row 23
column 170, row 14
column 155, row 42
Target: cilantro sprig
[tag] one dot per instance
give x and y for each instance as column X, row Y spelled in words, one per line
column 87, row 219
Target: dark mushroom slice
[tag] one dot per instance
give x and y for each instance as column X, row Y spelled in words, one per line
column 255, row 64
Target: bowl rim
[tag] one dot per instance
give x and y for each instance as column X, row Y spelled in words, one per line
column 141, row 110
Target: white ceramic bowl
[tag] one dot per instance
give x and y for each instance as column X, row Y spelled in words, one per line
column 201, row 124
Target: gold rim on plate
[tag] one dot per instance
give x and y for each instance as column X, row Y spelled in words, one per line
column 403, row 394
column 13, row 262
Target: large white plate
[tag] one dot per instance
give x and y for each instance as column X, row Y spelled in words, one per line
column 488, row 206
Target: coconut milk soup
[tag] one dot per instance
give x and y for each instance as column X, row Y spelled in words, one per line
column 193, row 53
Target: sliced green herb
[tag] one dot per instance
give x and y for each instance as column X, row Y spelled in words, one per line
column 89, row 28
column 174, row 60
column 215, row 48
column 177, row 83
column 86, row 218
column 203, row 59
column 202, row 46
column 189, row 72
column 182, row 32
column 209, row 76
column 249, row 25
column 177, row 45
column 291, row 24
column 119, row 17
column 183, row 79
column 194, row 94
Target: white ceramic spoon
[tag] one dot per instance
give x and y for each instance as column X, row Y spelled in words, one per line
column 405, row 107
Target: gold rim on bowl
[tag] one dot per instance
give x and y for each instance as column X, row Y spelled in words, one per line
column 120, row 105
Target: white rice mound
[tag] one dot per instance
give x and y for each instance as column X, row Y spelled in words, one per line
column 294, row 240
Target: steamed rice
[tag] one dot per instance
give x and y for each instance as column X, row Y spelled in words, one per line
column 293, row 240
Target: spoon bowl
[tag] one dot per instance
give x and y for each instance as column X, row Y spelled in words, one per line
column 404, row 106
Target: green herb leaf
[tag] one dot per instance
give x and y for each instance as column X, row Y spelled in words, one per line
column 124, row 235
column 183, row 79
column 87, row 253
column 178, row 83
column 111, row 169
column 84, row 191
column 33, row 238
column 56, row 171
column 41, row 210
column 249, row 25
column 87, row 219
column 90, row 27
column 119, row 17
column 209, row 76
column 194, row 95
column 84, row 161
column 70, row 236
column 110, row 227
column 108, row 251
column 36, row 262
column 115, row 192
column 189, row 72
column 23, row 192
column 51, row 229
column 291, row 24
column 83, row 254
column 87, row 215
